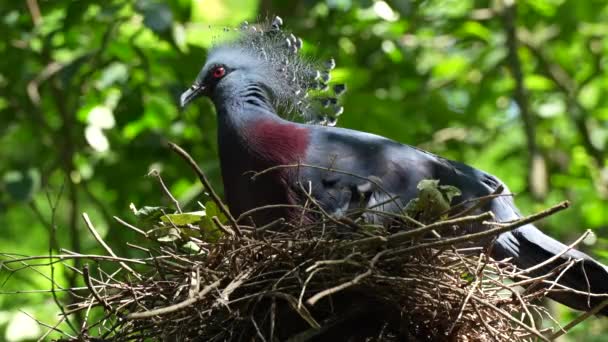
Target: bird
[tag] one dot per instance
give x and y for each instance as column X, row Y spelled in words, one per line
column 257, row 80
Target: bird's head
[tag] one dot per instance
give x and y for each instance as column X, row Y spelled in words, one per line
column 265, row 62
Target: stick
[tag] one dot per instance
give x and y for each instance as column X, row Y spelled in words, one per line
column 203, row 178
column 481, row 201
column 130, row 226
column 87, row 281
column 105, row 246
column 155, row 173
column 312, row 300
column 579, row 319
column 175, row 307
column 402, row 236
column 490, row 232
column 555, row 257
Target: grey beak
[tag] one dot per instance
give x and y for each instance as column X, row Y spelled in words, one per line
column 193, row 92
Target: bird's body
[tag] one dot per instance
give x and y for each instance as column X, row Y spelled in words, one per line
column 340, row 166
column 345, row 170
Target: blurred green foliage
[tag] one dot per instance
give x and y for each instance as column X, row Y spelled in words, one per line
column 88, row 96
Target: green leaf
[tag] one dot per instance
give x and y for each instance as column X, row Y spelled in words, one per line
column 182, row 219
column 537, row 82
column 209, row 231
column 450, row 192
column 191, row 247
column 476, row 29
column 212, row 210
column 168, row 235
column 433, row 199
column 450, row 67
column 546, row 8
column 467, row 276
column 148, row 217
column 114, row 73
column 590, row 95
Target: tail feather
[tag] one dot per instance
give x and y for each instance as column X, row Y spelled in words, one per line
column 528, row 247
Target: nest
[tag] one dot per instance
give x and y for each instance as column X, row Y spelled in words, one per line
column 329, row 280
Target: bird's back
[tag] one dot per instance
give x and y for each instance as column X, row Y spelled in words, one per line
column 349, row 159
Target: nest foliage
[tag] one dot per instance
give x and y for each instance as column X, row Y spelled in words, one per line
column 307, row 283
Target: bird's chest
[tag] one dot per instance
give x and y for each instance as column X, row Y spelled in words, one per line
column 256, row 168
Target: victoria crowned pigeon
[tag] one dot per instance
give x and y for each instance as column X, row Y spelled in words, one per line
column 259, row 75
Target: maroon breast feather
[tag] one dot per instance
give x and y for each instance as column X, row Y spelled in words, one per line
column 278, row 143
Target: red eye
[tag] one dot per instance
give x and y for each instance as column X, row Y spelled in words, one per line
column 219, row 72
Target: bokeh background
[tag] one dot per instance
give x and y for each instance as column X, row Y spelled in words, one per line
column 88, row 96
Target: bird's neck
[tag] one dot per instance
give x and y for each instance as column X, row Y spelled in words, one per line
column 250, row 128
column 237, row 103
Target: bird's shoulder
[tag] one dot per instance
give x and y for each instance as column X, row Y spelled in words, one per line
column 348, row 139
column 344, row 142
column 378, row 151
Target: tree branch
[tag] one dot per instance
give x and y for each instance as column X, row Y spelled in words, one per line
column 576, row 112
column 537, row 176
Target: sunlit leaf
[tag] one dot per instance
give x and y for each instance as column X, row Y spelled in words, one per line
column 22, row 327
column 114, row 73
column 182, row 219
column 590, row 95
column 552, row 108
column 96, row 138
column 450, row 67
column 537, row 82
column 475, row 29
column 179, row 37
column 168, row 234
column 101, row 117
column 191, row 247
